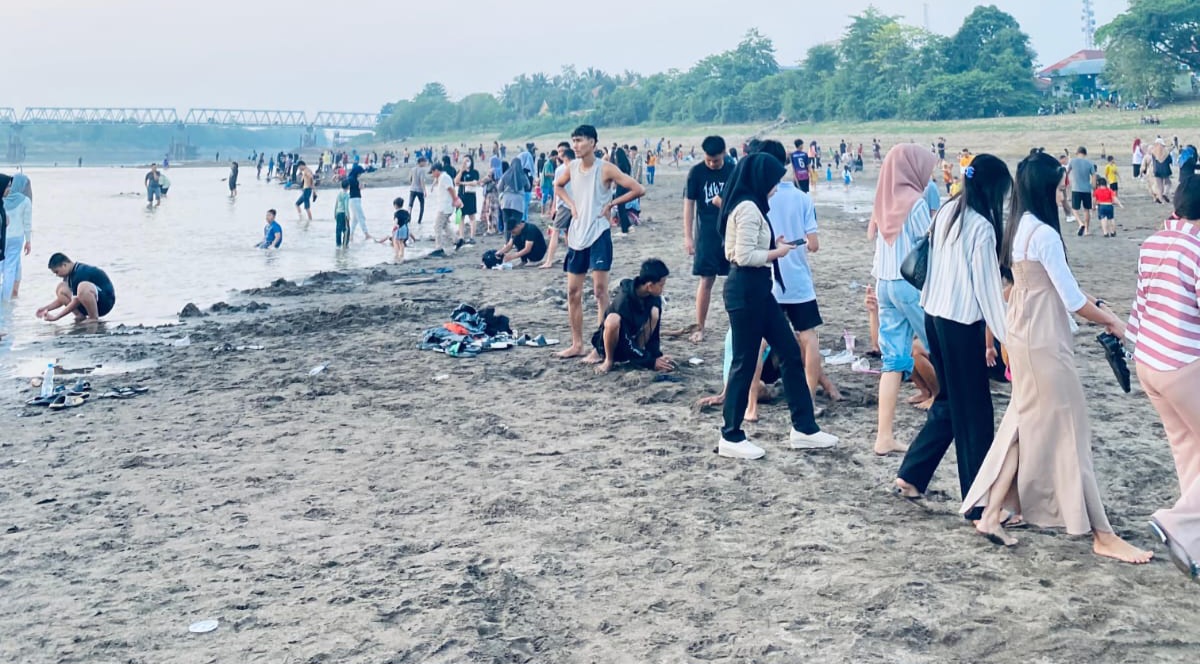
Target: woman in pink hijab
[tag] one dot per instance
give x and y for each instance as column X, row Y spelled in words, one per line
column 900, row 218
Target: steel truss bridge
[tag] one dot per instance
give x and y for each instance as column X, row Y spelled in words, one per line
column 211, row 117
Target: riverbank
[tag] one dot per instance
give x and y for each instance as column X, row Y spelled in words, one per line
column 402, row 505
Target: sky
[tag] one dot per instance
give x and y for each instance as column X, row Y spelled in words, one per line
column 356, row 55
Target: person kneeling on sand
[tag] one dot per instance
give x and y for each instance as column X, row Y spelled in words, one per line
column 85, row 291
column 532, row 243
column 630, row 331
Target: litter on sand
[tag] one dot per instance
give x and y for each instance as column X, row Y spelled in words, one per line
column 695, row 361
column 316, row 370
column 203, row 626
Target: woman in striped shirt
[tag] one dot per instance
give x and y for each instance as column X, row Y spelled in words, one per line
column 1040, row 463
column 900, row 218
column 963, row 298
column 1165, row 324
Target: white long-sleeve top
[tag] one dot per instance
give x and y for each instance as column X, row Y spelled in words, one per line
column 749, row 240
column 21, row 218
column 964, row 282
column 1046, row 247
column 888, row 258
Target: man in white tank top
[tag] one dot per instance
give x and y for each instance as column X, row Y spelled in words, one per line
column 589, row 243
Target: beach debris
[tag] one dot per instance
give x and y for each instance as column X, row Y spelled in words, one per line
column 440, row 377
column 695, row 361
column 182, row 343
column 316, row 370
column 229, row 348
column 203, row 626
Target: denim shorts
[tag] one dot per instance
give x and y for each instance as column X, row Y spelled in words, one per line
column 900, row 318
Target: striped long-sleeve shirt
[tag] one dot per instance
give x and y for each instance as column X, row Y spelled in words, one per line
column 964, row 283
column 1165, row 321
column 888, row 257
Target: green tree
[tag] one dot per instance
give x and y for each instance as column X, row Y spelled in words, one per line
column 1169, row 28
column 986, row 33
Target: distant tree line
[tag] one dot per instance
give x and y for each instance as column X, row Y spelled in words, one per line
column 1150, row 46
column 880, row 69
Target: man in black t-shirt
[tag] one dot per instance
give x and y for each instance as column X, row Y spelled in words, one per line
column 85, row 291
column 528, row 241
column 630, row 331
column 701, row 224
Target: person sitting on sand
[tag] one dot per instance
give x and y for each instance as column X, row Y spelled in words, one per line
column 85, row 291
column 272, row 233
column 530, row 239
column 630, row 331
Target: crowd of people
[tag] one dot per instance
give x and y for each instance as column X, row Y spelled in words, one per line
column 997, row 296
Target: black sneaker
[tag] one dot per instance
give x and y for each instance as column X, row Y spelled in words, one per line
column 458, row 245
column 437, row 253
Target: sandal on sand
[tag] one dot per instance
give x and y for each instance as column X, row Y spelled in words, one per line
column 1014, row 522
column 899, row 493
column 998, row 538
column 64, row 401
column 540, row 341
column 1178, row 555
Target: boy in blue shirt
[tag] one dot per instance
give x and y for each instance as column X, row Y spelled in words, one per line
column 272, row 233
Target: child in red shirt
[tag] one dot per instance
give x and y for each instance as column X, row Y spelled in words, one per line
column 1105, row 198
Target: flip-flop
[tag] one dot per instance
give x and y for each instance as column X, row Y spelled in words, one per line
column 540, row 341
column 915, row 500
column 1175, row 550
column 65, row 401
column 44, row 401
column 997, row 540
column 1014, row 522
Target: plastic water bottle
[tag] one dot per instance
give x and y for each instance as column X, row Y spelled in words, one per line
column 48, row 380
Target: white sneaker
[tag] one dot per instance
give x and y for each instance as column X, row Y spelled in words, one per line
column 742, row 450
column 812, row 441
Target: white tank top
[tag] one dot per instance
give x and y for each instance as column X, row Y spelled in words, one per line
column 591, row 195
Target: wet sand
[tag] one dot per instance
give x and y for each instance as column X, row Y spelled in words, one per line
column 405, row 506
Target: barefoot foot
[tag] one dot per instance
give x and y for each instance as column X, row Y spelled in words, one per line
column 594, row 358
column 925, row 405
column 885, row 447
column 573, row 351
column 697, row 336
column 1110, row 545
column 995, row 534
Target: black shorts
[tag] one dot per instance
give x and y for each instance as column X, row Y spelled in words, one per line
column 803, row 315
column 562, row 219
column 802, row 185
column 1105, row 211
column 596, row 257
column 105, row 301
column 709, row 260
column 1081, row 200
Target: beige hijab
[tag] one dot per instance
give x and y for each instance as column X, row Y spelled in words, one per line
column 902, row 182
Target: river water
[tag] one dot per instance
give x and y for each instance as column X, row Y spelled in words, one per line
column 197, row 247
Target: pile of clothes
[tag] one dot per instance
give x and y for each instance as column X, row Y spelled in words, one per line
column 469, row 332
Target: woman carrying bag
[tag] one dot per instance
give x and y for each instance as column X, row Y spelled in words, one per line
column 754, row 315
column 963, row 298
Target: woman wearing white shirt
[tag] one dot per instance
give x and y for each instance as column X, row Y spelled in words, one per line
column 899, row 219
column 963, row 298
column 1040, row 463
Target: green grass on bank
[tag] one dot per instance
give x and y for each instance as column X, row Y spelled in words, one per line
column 1013, row 135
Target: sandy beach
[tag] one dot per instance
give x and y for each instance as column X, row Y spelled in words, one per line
column 403, row 506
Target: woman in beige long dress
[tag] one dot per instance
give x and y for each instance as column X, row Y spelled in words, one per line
column 1040, row 464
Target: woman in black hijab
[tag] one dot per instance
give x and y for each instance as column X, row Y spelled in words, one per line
column 752, row 249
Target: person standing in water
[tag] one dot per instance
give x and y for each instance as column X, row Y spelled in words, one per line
column 306, row 181
column 233, row 176
column 18, row 205
column 153, row 188
column 586, row 189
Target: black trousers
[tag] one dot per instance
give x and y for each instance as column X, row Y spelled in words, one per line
column 417, row 196
column 754, row 315
column 623, row 217
column 962, row 412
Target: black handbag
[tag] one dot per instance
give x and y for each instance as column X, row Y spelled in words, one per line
column 915, row 267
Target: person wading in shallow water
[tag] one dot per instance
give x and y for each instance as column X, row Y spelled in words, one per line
column 586, row 189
